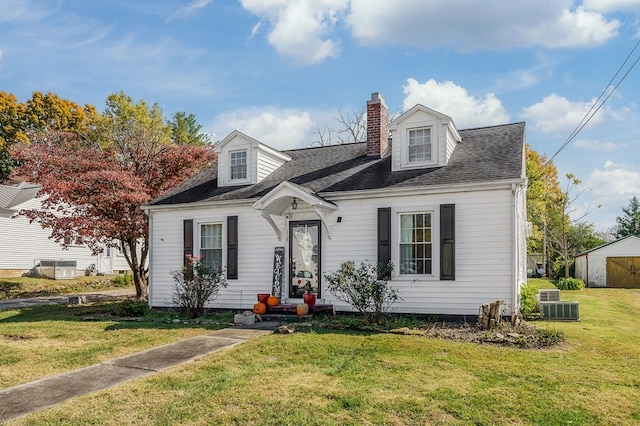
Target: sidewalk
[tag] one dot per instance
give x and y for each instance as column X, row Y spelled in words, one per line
column 62, row 299
column 24, row 399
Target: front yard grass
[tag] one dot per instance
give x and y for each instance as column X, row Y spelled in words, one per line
column 325, row 377
column 22, row 287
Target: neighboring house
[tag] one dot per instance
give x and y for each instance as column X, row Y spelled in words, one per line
column 24, row 245
column 447, row 207
column 615, row 264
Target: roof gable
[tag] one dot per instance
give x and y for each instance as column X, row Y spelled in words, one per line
column 422, row 138
column 260, row 159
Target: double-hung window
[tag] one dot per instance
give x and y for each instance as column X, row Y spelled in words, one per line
column 416, row 246
column 238, row 162
column 211, row 245
column 419, row 145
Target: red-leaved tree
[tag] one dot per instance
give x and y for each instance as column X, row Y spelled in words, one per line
column 93, row 186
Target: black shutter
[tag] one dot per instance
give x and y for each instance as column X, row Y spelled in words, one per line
column 187, row 227
column 447, row 242
column 232, row 247
column 384, row 239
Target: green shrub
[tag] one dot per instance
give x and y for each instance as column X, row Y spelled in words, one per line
column 549, row 336
column 528, row 301
column 363, row 289
column 125, row 280
column 131, row 308
column 570, row 284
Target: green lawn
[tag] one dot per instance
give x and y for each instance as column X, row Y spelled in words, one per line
column 21, row 287
column 350, row 378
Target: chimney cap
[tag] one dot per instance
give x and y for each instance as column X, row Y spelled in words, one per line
column 376, row 97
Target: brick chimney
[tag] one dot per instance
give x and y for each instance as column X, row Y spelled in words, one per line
column 377, row 126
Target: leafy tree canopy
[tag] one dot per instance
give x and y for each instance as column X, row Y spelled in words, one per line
column 41, row 113
column 185, row 130
column 95, row 183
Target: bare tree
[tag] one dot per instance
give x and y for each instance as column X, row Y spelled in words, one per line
column 561, row 227
column 351, row 127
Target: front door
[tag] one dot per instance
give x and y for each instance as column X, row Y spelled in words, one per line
column 305, row 238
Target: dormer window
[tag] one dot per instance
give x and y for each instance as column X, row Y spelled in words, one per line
column 419, row 145
column 238, row 162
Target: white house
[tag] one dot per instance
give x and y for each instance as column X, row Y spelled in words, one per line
column 446, row 206
column 24, row 245
column 615, row 264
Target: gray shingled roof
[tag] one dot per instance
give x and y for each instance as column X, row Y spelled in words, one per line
column 13, row 195
column 485, row 154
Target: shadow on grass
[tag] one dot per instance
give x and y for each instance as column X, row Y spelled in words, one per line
column 106, row 312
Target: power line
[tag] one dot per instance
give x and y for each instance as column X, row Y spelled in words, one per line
column 595, row 107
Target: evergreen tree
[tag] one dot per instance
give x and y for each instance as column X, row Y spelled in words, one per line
column 629, row 224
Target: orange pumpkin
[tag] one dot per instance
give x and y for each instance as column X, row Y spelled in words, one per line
column 259, row 308
column 273, row 301
column 302, row 309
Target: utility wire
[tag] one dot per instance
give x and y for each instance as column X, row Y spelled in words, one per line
column 595, row 107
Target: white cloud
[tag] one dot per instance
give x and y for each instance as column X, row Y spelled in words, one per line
column 450, row 99
column 556, row 114
column 612, row 187
column 597, row 145
column 280, row 129
column 611, row 5
column 300, row 29
column 609, row 164
column 498, row 24
column 614, row 181
column 188, row 10
column 306, row 30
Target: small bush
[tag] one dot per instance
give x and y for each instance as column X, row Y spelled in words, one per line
column 362, row 289
column 125, row 280
column 549, row 336
column 131, row 308
column 194, row 285
column 528, row 301
column 570, row 284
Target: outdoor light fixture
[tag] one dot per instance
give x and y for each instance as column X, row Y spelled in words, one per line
column 294, row 204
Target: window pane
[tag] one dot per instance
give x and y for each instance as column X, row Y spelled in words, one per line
column 419, row 145
column 415, row 243
column 238, row 165
column 211, row 245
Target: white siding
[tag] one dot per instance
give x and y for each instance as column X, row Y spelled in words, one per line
column 485, row 253
column 24, row 244
column 267, row 164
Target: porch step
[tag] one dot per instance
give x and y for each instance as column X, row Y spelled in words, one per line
column 290, row 309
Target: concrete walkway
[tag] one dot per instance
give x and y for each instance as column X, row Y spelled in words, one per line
column 62, row 299
column 24, row 399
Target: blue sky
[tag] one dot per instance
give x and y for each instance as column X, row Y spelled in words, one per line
column 278, row 70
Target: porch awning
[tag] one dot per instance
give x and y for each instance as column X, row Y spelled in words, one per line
column 280, row 199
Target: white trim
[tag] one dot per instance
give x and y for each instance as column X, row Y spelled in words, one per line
column 247, row 168
column 435, row 248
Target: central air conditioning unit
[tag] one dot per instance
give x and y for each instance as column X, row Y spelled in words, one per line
column 560, row 311
column 549, row 295
column 58, row 269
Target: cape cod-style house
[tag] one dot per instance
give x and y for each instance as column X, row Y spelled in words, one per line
column 446, row 206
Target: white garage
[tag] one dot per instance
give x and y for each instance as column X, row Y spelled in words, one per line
column 615, row 264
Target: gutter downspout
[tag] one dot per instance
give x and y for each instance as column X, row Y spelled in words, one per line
column 150, row 260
